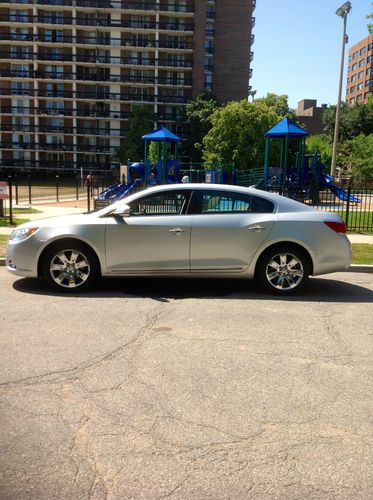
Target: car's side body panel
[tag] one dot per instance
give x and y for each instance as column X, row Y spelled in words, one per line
column 227, row 243
column 148, row 244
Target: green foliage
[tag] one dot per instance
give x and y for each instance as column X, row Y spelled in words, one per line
column 237, row 134
column 356, row 156
column 142, row 122
column 198, row 115
column 370, row 16
column 279, row 104
column 320, row 144
column 354, row 120
column 153, row 151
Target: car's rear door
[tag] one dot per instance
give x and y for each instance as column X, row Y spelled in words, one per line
column 155, row 238
column 226, row 232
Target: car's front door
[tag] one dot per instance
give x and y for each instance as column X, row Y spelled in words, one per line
column 154, row 238
column 226, row 231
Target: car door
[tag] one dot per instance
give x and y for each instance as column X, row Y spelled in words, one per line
column 154, row 238
column 226, row 231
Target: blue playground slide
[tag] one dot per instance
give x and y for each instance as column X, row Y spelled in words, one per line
column 118, row 191
column 327, row 181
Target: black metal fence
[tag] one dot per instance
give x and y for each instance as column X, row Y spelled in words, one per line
column 351, row 198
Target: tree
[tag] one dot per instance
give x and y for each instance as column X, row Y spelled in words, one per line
column 370, row 16
column 354, row 120
column 198, row 115
column 237, row 134
column 142, row 122
column 320, row 144
column 279, row 104
column 356, row 156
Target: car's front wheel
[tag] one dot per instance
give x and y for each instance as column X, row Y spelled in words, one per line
column 69, row 267
column 282, row 270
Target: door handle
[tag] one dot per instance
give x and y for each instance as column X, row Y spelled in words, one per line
column 256, row 228
column 177, row 230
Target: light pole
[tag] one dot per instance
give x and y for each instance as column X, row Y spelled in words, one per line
column 342, row 12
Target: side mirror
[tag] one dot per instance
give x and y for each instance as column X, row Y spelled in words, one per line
column 122, row 211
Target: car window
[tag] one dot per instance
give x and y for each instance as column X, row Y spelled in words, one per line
column 261, row 205
column 231, row 202
column 167, row 203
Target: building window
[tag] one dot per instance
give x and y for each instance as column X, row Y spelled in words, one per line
column 359, row 86
column 353, row 78
column 354, row 55
column 360, row 74
column 369, row 59
column 362, row 51
column 354, row 67
column 361, row 63
column 369, row 71
column 348, row 79
column 359, row 98
column 352, row 89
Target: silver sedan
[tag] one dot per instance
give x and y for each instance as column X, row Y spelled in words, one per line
column 185, row 230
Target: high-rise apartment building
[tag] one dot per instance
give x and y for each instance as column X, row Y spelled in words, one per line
column 71, row 71
column 360, row 71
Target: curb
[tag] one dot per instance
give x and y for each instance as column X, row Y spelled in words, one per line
column 354, row 268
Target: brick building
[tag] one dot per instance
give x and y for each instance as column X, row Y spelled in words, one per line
column 311, row 115
column 71, row 71
column 360, row 71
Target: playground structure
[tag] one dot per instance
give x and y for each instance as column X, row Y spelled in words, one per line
column 287, row 169
column 297, row 174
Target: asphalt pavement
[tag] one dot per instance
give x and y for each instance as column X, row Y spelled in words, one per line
column 150, row 389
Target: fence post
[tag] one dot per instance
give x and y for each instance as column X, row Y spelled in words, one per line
column 29, row 189
column 10, row 200
column 57, row 188
column 16, row 186
column 77, row 187
column 88, row 197
column 348, row 201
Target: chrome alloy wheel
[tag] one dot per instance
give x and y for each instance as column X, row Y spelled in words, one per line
column 284, row 271
column 69, row 268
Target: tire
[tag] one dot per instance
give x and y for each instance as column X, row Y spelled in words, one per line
column 282, row 270
column 70, row 267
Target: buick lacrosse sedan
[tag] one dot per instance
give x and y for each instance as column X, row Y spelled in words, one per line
column 185, row 230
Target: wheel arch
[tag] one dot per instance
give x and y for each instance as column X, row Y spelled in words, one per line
column 292, row 244
column 68, row 240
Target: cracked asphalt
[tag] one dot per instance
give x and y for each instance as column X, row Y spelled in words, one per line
column 150, row 389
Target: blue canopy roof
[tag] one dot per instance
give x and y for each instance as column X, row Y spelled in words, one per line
column 286, row 128
column 160, row 135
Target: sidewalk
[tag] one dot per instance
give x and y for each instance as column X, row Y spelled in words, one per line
column 50, row 209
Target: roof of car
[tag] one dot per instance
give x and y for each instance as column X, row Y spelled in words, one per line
column 283, row 204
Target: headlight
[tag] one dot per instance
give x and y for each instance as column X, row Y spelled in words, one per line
column 21, row 234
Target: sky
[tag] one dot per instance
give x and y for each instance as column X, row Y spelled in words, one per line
column 298, row 45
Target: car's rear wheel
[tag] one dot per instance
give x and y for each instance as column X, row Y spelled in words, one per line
column 70, row 267
column 283, row 270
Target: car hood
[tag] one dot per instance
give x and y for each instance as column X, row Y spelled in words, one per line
column 59, row 220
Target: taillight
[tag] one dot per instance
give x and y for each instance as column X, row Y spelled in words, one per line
column 338, row 227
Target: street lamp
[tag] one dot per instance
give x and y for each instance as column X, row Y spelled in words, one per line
column 342, row 12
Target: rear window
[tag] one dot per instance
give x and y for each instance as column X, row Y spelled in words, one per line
column 225, row 202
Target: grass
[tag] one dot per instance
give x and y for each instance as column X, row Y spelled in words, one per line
column 362, row 253
column 6, row 222
column 3, row 242
column 358, row 219
column 24, row 210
